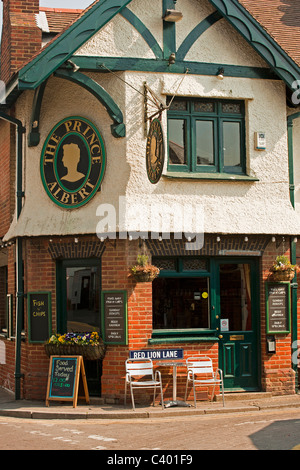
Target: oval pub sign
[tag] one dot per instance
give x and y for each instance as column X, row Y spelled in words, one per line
column 73, row 162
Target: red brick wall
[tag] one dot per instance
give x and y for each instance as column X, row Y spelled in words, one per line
column 278, row 376
column 7, row 370
column 7, row 165
column 21, row 38
column 40, row 274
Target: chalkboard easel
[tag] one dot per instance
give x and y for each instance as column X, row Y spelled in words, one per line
column 64, row 378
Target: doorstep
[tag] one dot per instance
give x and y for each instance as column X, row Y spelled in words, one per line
column 244, row 396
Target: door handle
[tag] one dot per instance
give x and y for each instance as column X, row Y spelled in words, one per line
column 220, row 336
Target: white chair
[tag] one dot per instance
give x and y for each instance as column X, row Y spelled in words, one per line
column 142, row 368
column 200, row 373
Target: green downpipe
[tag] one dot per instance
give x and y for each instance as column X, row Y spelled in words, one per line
column 19, row 260
column 290, row 121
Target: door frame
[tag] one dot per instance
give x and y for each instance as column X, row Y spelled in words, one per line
column 61, row 294
column 255, row 302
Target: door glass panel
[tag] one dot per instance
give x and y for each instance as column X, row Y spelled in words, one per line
column 177, row 141
column 235, row 297
column 180, row 303
column 83, row 299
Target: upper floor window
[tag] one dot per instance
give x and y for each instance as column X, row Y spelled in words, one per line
column 207, row 135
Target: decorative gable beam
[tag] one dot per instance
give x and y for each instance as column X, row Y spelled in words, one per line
column 62, row 48
column 259, row 39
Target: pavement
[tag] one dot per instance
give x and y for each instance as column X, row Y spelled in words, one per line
column 97, row 409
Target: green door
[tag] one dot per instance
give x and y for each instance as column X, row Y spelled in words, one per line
column 237, row 312
column 78, row 307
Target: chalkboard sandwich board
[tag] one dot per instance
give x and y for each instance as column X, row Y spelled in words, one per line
column 278, row 307
column 64, row 378
column 39, row 316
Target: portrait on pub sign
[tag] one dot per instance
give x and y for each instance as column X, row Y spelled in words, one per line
column 73, row 162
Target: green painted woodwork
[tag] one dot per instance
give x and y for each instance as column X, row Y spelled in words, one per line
column 34, row 135
column 238, row 358
column 144, row 32
column 210, row 176
column 61, row 49
column 94, row 63
column 218, row 118
column 118, row 128
column 196, row 33
column 169, row 31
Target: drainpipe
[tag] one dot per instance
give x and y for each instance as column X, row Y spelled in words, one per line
column 19, row 260
column 294, row 285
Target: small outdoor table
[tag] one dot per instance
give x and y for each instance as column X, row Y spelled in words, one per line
column 173, row 364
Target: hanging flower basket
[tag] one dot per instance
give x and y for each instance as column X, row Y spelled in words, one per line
column 144, row 272
column 283, row 270
column 88, row 345
column 144, row 276
column 283, row 275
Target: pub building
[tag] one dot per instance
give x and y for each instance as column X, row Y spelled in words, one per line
column 170, row 132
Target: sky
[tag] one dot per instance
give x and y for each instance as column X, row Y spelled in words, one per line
column 74, row 4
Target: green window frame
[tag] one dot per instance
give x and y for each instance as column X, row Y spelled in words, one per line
column 206, row 136
column 184, row 268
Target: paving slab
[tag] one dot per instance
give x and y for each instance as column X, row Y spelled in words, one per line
column 97, row 409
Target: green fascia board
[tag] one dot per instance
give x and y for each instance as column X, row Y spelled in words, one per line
column 61, row 49
column 259, row 39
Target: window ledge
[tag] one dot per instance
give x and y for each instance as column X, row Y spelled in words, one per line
column 209, row 176
column 182, row 339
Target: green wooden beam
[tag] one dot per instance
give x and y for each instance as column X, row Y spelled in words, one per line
column 259, row 39
column 60, row 50
column 169, row 31
column 144, row 32
column 34, row 134
column 118, row 128
column 196, row 33
column 93, row 63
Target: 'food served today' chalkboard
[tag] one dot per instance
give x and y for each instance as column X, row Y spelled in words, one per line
column 39, row 316
column 63, row 379
column 114, row 317
column 278, row 307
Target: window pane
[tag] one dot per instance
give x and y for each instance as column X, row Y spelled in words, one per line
column 205, row 143
column 180, row 303
column 178, row 105
column 232, row 144
column 204, row 107
column 232, row 108
column 177, row 144
column 83, row 293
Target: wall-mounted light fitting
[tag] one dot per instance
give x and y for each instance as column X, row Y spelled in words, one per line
column 220, row 74
column 172, row 58
column 172, row 16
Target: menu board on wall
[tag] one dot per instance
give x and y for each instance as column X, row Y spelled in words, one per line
column 278, row 307
column 114, row 317
column 39, row 316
